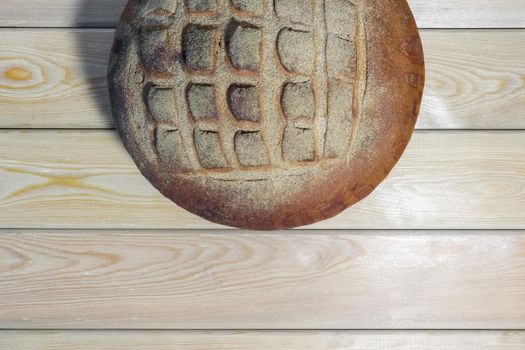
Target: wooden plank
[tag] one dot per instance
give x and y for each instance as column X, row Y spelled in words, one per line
column 469, row 13
column 105, row 13
column 247, row 280
column 61, row 13
column 54, row 78
column 474, row 79
column 85, row 179
column 263, row 340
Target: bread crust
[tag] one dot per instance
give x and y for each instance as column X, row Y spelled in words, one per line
column 277, row 191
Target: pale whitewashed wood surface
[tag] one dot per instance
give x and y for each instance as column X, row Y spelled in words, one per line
column 247, row 280
column 262, row 340
column 52, row 76
column 56, row 78
column 85, row 179
column 105, row 13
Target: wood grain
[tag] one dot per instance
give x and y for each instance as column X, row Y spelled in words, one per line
column 85, row 179
column 263, row 340
column 469, row 13
column 51, row 181
column 246, row 280
column 474, row 79
column 105, row 13
column 61, row 13
column 65, row 85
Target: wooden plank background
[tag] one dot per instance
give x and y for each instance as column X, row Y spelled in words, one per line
column 85, row 179
column 83, row 247
column 246, row 280
column 474, row 79
column 263, row 340
column 105, row 13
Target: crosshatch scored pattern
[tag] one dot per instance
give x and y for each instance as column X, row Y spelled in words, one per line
column 212, row 103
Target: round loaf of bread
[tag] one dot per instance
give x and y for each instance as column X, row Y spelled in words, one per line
column 266, row 114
